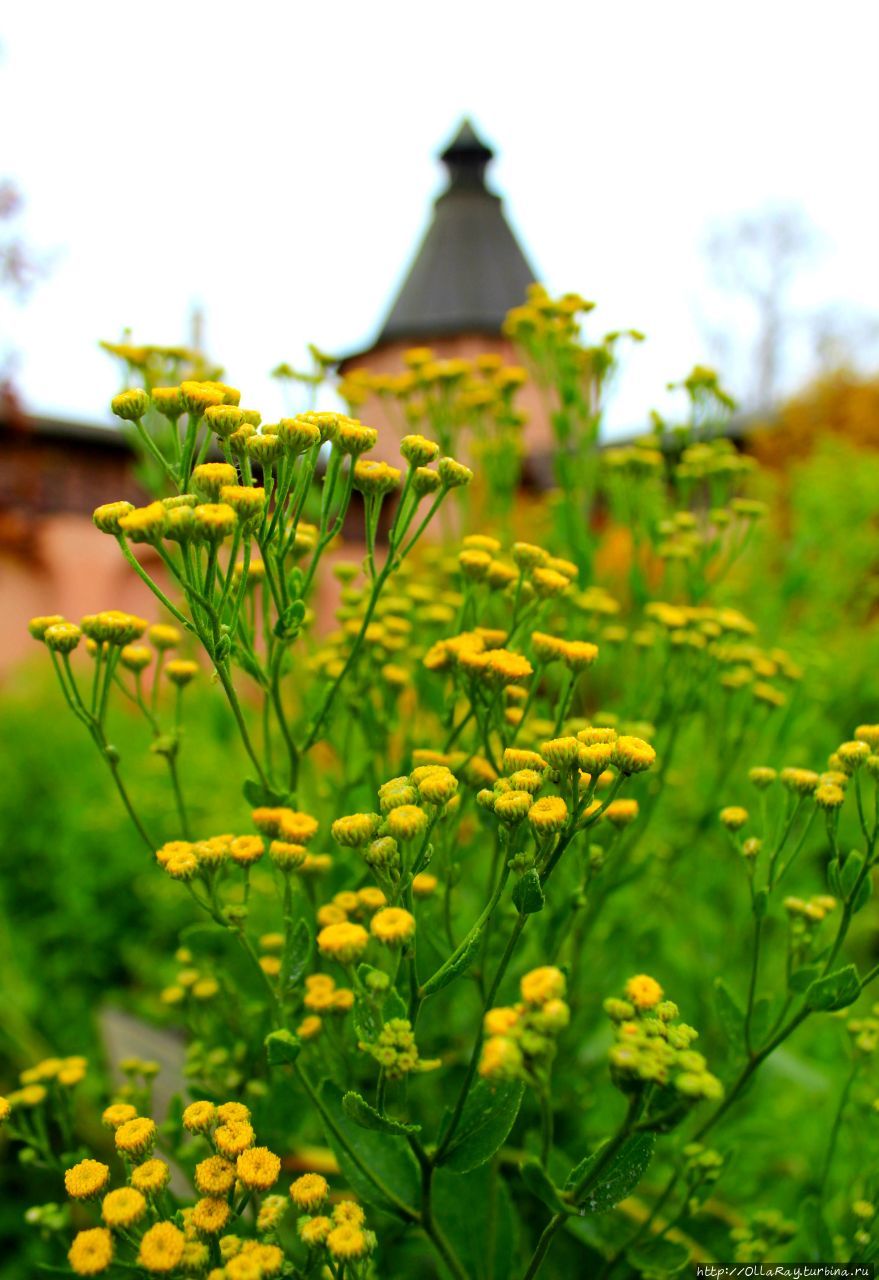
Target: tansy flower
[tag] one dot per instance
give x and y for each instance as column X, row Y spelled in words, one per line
column 233, row 1138
column 512, row 806
column 258, row 1169
column 161, row 1248
column 271, row 1210
column 342, row 1001
column 214, row 1176
column 198, row 1117
column 632, row 755
column 136, row 1137
column 117, row 1113
column 314, row 1231
column 286, row 856
column 621, row 813
column 829, row 795
column 210, row 1215
column 499, row 1021
column 344, row 942
column 733, row 817
column 91, row 1251
column 548, row 815
column 392, row 925
column 245, row 850
column 644, row 992
column 501, row 1058
column 232, row 1112
column 347, row 1242
column 561, row 753
column 424, row 884
column 296, row 827
column 123, row 1207
column 309, row 1027
column 540, row 985
column 406, row 822
column 356, row 829
column 150, row 1177
column 309, row 1191
column 371, row 898
column 181, row 672
column 438, row 787
column 5, row 1110
column 348, row 1213
column 515, row 758
column 86, row 1180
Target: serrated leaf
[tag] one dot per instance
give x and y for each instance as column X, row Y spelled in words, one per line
column 282, row 1047
column 258, row 795
column 837, row 991
column 488, row 1116
column 658, row 1257
column 541, row 1185
column 528, row 896
column 379, row 1167
column 360, row 1111
column 731, row 1017
column 618, row 1178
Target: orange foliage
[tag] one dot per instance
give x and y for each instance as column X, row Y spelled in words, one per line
column 841, row 404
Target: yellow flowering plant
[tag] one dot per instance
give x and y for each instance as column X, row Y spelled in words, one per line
column 424, row 985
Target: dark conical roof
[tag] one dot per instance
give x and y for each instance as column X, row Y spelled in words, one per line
column 470, row 269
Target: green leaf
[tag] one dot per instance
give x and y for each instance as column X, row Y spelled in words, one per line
column 851, row 869
column 488, row 1116
column 658, row 1257
column 528, row 896
column 541, row 1185
column 461, row 961
column 761, row 1019
column 862, row 895
column 282, row 1047
column 837, row 991
column 394, row 1007
column 731, row 1017
column 258, row 795
column 802, row 978
column 475, row 1214
column 618, row 1178
column 833, row 883
column 297, row 955
column 360, row 1111
column 760, row 903
column 379, row 1167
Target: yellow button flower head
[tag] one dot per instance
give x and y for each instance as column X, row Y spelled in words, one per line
column 801, row 781
column 829, row 796
column 309, row 1027
column 258, row 1169
column 371, row 898
column 214, row 521
column 214, row 1176
column 868, row 733
column 347, row 1242
column 39, row 626
column 439, row 786
column 210, row 477
column 161, row 1248
column 91, row 1252
column 373, row 477
column 515, row 758
column 418, row 451
column 499, row 1021
column 245, row 850
column 548, row 648
column 234, row 1137
column 356, row 829
column 561, row 753
column 136, row 1137
column 118, row 1113
column 392, row 925
column 474, row 564
column 620, row 813
column 123, row 1207
column 314, row 1231
column 150, row 1177
column 851, row 754
column 144, row 524
column 62, row 637
column 210, row 1215
column 527, row 555
column 115, row 627
column 501, row 1059
column 286, row 856
column 424, row 884
column 86, row 1180
column 733, row 817
column 549, row 583
column 632, row 755
column 644, row 992
column 181, row 672
column 182, row 866
column 107, row 517
column 513, row 806
column 406, row 822
column 130, row 405
column 199, row 396
column 223, row 419
column 343, row 942
column 199, row 1117
column 762, row 776
column 505, row 667
column 594, row 757
column 353, row 438
column 309, row 1192
column 233, row 1112
column 247, row 501
column 297, row 827
column 452, row 474
column 135, row 657
column 579, row 654
column 5, row 1110
column 548, row 815
column 540, row 985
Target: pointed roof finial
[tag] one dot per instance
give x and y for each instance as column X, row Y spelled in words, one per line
column 466, row 157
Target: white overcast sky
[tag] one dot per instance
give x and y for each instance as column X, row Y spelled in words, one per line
column 274, row 164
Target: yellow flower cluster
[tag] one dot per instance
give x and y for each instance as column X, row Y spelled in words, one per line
column 520, row 1040
column 342, row 1235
